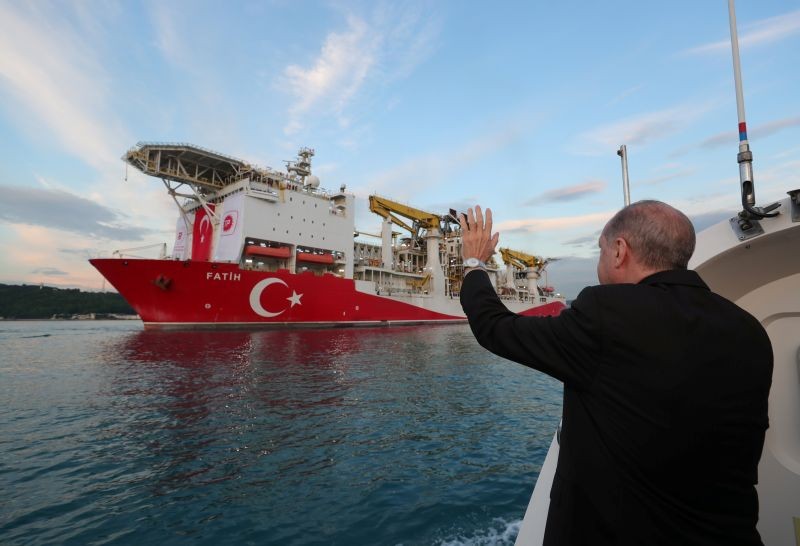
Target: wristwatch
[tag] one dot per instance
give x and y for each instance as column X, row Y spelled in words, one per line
column 474, row 262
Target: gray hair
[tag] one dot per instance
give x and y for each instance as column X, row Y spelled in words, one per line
column 660, row 237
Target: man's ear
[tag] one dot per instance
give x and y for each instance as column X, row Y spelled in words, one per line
column 621, row 251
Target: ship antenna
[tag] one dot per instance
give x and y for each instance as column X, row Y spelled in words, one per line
column 750, row 211
column 626, row 187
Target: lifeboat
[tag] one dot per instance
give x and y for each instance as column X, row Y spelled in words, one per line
column 282, row 252
column 315, row 258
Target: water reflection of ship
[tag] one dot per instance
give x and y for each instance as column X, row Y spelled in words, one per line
column 206, row 407
column 192, row 362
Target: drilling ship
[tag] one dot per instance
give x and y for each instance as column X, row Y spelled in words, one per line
column 258, row 247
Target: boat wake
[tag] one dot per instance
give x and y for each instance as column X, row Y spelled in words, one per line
column 502, row 533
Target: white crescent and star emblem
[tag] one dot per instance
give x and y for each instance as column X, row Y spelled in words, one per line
column 295, row 298
column 203, row 222
column 258, row 289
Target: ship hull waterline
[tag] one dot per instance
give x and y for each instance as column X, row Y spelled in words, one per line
column 173, row 294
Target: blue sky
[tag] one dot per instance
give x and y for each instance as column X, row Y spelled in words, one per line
column 519, row 106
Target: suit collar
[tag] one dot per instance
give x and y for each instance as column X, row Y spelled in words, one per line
column 675, row 276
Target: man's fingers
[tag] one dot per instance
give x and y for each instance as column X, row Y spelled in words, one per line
column 489, row 220
column 478, row 217
column 471, row 216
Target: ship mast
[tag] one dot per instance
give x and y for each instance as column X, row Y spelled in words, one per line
column 626, row 187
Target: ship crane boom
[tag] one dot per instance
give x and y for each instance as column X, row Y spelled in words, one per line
column 394, row 211
column 521, row 260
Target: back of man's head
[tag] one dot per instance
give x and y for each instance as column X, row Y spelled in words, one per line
column 659, row 236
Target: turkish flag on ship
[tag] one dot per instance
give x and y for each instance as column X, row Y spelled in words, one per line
column 202, row 234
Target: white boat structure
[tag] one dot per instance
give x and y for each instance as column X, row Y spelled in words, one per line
column 752, row 259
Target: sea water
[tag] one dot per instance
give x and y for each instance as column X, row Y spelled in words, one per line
column 110, row 434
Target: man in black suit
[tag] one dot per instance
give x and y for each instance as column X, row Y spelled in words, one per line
column 665, row 388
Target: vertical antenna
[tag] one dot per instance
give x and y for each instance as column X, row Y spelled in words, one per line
column 626, row 187
column 745, row 156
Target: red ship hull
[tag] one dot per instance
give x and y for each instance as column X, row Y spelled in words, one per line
column 174, row 294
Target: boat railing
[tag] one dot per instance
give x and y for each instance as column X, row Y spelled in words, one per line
column 126, row 252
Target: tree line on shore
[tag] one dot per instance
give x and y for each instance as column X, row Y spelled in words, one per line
column 44, row 302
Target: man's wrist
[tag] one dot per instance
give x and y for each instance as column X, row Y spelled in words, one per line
column 469, row 270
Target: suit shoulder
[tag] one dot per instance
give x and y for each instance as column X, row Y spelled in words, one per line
column 603, row 292
column 743, row 315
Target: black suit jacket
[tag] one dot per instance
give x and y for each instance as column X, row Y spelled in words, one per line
column 665, row 408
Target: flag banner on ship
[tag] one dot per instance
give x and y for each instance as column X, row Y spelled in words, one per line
column 229, row 234
column 181, row 235
column 202, row 234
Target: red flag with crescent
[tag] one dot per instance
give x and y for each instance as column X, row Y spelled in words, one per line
column 202, row 234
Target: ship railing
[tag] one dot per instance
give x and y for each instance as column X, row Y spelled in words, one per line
column 154, row 144
column 126, row 252
column 512, row 297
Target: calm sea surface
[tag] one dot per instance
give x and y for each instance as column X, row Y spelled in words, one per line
column 414, row 435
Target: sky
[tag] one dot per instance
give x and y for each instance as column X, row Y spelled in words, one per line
column 517, row 106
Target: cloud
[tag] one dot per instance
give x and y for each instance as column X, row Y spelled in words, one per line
column 588, row 240
column 706, row 219
column 53, row 71
column 85, row 253
column 31, row 248
column 63, row 210
column 441, row 164
column 408, row 179
column 571, row 275
column 167, row 37
column 49, row 272
column 639, row 130
column 56, row 75
column 766, row 31
column 460, row 204
column 570, row 193
column 625, row 94
column 547, row 224
column 764, row 130
column 386, row 47
column 665, row 178
column 337, row 73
